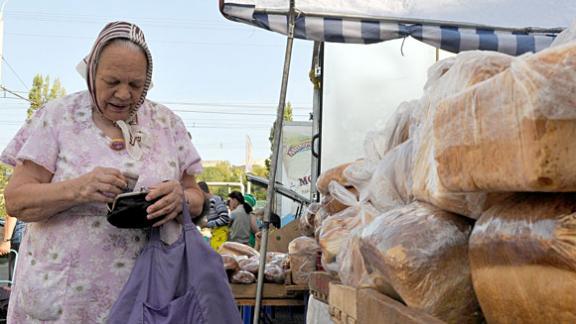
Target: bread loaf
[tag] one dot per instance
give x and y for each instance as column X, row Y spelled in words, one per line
column 514, row 131
column 303, row 252
column 237, row 249
column 230, row 263
column 306, row 221
column 463, row 71
column 523, row 259
column 422, row 253
column 243, row 277
column 334, row 174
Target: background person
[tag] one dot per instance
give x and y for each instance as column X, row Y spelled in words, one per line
column 12, row 236
column 217, row 218
column 69, row 162
column 240, row 216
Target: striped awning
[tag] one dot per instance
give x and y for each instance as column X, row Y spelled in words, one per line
column 366, row 30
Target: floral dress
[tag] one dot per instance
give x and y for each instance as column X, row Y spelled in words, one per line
column 73, row 265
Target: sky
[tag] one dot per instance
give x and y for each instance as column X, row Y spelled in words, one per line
column 222, row 77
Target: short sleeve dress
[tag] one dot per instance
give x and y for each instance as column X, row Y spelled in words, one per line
column 73, row 265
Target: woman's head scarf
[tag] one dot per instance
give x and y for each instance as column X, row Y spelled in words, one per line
column 133, row 136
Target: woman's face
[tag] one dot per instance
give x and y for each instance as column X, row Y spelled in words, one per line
column 233, row 203
column 120, row 79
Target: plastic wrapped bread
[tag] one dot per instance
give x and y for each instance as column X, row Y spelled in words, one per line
column 388, row 182
column 306, row 221
column 336, row 229
column 237, row 249
column 302, row 252
column 243, row 277
column 274, row 273
column 230, row 263
column 251, row 264
column 422, row 253
column 523, row 259
column 395, row 132
column 356, row 272
column 514, row 131
column 446, row 78
column 332, row 205
column 334, row 174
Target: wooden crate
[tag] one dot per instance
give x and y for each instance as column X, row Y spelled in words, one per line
column 349, row 305
column 272, row 294
column 343, row 301
column 319, row 284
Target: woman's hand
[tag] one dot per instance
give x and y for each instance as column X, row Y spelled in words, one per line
column 100, row 185
column 169, row 205
column 5, row 247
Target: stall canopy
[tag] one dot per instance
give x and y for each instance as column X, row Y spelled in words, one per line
column 509, row 26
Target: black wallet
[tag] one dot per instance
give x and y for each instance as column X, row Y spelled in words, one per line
column 129, row 210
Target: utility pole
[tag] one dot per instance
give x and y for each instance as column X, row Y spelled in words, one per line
column 2, row 39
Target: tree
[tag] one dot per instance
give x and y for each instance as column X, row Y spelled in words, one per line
column 288, row 116
column 41, row 92
column 4, row 174
column 225, row 172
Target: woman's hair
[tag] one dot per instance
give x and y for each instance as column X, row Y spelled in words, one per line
column 238, row 196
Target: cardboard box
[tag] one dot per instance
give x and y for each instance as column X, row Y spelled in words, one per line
column 278, row 239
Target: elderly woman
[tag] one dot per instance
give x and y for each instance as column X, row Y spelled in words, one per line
column 70, row 160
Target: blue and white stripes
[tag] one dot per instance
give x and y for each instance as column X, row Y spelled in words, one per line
column 448, row 37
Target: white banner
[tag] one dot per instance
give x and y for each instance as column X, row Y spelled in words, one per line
column 297, row 156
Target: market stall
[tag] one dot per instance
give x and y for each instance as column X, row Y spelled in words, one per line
column 401, row 221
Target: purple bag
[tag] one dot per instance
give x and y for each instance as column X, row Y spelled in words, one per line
column 181, row 283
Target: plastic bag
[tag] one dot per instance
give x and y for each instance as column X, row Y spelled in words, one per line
column 422, row 253
column 566, row 36
column 230, row 263
column 278, row 258
column 306, row 221
column 513, row 131
column 523, row 259
column 251, row 264
column 396, row 131
column 243, row 277
column 336, row 229
column 334, row 174
column 302, row 252
column 391, row 183
column 274, row 273
column 446, row 79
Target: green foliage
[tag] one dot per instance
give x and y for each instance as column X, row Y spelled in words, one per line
column 42, row 92
column 225, row 172
column 288, row 116
column 4, row 174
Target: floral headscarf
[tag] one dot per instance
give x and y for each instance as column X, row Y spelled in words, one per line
column 133, row 136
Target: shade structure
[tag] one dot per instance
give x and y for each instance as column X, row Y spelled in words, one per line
column 508, row 26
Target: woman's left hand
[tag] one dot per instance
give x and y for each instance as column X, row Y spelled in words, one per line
column 169, row 205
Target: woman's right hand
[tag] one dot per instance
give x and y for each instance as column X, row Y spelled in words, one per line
column 100, row 185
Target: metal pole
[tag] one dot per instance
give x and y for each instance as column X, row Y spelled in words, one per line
column 274, row 163
column 317, row 70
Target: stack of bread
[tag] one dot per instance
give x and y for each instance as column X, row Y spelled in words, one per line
column 450, row 231
column 242, row 263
